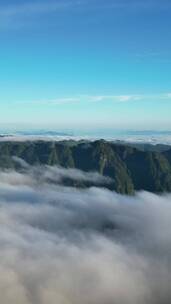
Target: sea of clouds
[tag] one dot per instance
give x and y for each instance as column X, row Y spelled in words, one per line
column 62, row 245
column 130, row 137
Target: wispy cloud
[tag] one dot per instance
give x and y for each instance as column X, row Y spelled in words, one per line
column 128, row 98
column 116, row 98
column 99, row 98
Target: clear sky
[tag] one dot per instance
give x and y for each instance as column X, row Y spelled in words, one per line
column 85, row 63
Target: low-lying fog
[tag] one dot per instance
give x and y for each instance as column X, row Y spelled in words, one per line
column 61, row 245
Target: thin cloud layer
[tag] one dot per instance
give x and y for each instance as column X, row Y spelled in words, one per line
column 98, row 98
column 56, row 174
column 131, row 137
column 66, row 245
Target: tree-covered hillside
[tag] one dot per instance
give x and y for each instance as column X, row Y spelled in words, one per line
column 130, row 169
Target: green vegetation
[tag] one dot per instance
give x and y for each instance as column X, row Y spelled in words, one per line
column 130, row 168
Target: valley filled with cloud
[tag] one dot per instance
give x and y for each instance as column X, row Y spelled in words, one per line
column 91, row 246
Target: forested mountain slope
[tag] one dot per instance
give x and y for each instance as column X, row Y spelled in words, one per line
column 130, row 169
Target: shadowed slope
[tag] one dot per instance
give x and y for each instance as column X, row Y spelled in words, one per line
column 131, row 169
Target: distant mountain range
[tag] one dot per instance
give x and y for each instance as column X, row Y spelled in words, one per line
column 129, row 136
column 143, row 167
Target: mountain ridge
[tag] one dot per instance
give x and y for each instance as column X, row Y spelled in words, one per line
column 130, row 168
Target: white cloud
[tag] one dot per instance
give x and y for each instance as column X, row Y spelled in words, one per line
column 57, row 174
column 98, row 98
column 62, row 245
column 116, row 98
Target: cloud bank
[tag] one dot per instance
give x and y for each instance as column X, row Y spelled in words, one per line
column 56, row 174
column 147, row 137
column 66, row 245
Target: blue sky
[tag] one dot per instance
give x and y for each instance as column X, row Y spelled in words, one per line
column 85, row 64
